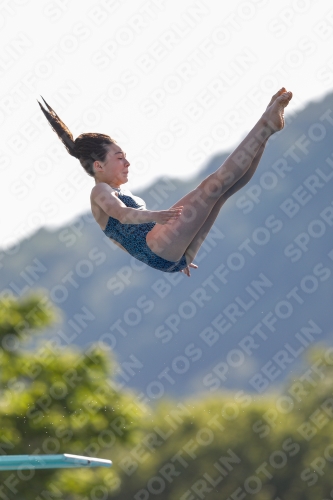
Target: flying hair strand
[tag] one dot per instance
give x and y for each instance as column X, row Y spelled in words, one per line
column 59, row 128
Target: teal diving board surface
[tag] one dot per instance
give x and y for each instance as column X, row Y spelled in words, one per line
column 14, row 462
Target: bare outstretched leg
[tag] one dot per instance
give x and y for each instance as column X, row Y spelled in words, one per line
column 197, row 241
column 201, row 235
column 172, row 240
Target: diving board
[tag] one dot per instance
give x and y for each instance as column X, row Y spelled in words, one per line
column 14, row 462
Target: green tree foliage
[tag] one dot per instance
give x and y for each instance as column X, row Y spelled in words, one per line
column 229, row 446
column 239, row 446
column 57, row 399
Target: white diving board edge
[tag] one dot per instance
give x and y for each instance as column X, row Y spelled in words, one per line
column 14, row 462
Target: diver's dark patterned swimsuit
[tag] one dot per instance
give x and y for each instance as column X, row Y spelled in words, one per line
column 133, row 238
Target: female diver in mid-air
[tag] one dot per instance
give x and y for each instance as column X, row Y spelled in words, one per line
column 167, row 240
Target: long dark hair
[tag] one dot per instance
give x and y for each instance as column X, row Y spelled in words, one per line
column 87, row 148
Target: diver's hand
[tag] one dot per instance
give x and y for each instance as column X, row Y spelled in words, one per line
column 165, row 216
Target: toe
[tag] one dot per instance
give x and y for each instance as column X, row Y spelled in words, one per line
column 275, row 96
column 285, row 97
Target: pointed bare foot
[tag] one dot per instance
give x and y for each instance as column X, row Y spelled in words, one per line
column 273, row 118
column 275, row 96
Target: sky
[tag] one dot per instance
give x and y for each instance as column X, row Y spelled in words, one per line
column 173, row 82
